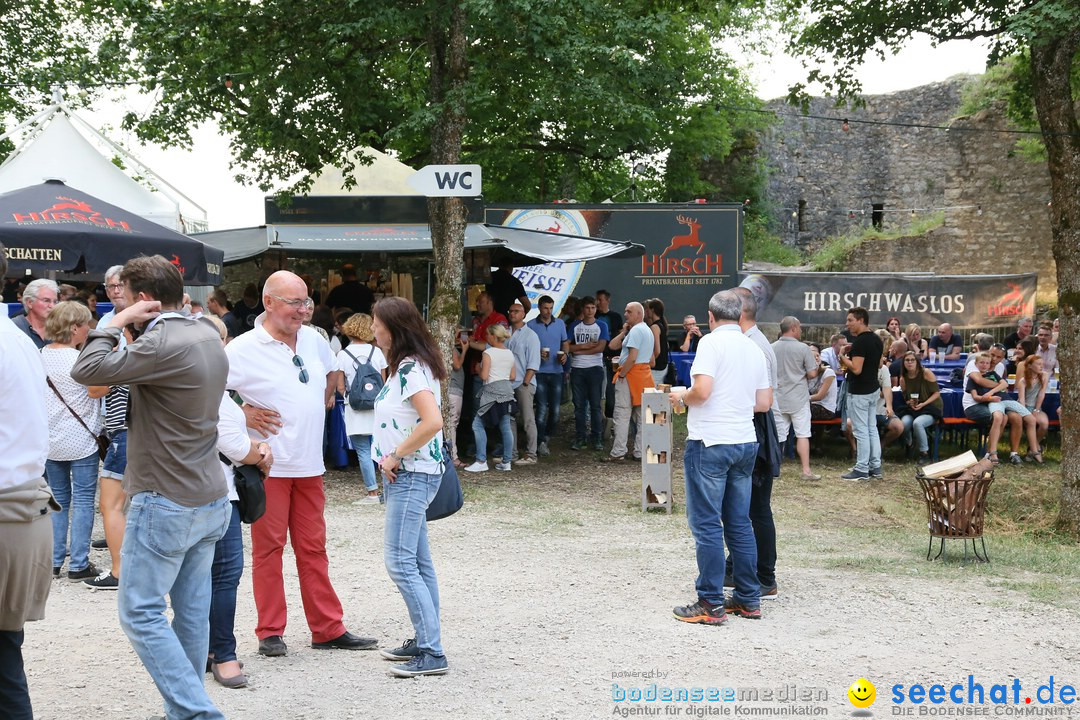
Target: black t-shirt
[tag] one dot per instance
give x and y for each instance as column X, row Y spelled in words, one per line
column 693, row 342
column 245, row 316
column 868, row 346
column 937, row 343
column 614, row 323
column 353, row 295
column 989, row 375
column 662, row 356
column 504, row 289
column 896, row 367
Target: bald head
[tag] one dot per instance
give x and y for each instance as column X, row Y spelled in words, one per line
column 634, row 313
column 283, row 282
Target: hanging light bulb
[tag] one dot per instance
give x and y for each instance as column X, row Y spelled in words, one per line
column 851, row 214
column 845, row 126
column 228, row 82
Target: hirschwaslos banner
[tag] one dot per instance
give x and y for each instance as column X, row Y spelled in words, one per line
column 929, row 300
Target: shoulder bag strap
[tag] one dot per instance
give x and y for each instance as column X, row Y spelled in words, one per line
column 370, row 354
column 70, row 409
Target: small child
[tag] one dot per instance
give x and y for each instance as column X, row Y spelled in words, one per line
column 985, row 386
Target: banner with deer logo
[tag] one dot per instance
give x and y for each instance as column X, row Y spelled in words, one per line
column 965, row 301
column 691, row 251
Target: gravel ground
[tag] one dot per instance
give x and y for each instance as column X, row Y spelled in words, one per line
column 554, row 588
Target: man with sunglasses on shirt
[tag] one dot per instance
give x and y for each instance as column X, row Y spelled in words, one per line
column 282, row 370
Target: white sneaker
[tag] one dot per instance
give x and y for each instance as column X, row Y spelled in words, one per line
column 369, row 500
column 477, row 467
column 505, row 467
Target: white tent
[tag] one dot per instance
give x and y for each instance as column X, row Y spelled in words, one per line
column 384, row 176
column 55, row 148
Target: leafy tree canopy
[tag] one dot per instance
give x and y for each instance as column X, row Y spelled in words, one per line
column 561, row 96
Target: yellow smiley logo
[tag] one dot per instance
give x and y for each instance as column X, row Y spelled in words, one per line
column 862, row 693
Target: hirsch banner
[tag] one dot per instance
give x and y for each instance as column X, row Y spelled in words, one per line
column 691, row 251
column 929, row 300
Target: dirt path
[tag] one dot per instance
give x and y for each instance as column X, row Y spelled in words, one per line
column 554, row 592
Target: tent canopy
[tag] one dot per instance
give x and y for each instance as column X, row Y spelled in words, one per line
column 527, row 247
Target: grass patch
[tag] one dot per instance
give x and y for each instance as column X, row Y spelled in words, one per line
column 766, row 247
column 835, row 253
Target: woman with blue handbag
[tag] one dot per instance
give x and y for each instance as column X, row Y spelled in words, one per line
column 409, row 449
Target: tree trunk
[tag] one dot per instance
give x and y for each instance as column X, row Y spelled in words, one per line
column 1052, row 63
column 446, row 42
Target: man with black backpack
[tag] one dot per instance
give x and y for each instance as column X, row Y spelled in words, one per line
column 361, row 373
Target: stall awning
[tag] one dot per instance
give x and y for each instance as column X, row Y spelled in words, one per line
column 532, row 245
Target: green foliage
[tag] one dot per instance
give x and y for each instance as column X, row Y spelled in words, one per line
column 835, row 252
column 561, row 99
column 763, row 246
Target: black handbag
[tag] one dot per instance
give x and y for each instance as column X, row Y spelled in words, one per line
column 448, row 500
column 250, row 490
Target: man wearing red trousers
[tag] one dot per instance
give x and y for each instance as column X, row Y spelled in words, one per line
column 282, row 371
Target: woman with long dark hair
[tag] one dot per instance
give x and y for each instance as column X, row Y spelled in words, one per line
column 924, row 404
column 409, row 449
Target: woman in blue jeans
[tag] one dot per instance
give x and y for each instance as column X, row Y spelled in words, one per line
column 359, row 423
column 234, row 443
column 409, row 449
column 74, row 424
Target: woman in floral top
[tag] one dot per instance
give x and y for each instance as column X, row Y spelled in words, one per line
column 408, row 447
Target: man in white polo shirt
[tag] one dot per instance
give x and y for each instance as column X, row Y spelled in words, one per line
column 282, row 371
column 730, row 383
column 25, row 503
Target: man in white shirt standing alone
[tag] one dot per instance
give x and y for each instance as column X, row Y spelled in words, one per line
column 730, row 384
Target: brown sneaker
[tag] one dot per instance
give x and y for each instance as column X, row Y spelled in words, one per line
column 734, row 607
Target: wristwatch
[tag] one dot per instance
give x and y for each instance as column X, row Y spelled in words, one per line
column 393, row 454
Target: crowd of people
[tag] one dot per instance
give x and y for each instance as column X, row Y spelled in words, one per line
column 173, row 381
column 200, row 391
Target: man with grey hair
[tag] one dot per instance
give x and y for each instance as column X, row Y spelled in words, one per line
column 38, row 298
column 767, row 466
column 635, row 345
column 730, row 383
column 1024, row 327
column 795, row 365
column 25, row 502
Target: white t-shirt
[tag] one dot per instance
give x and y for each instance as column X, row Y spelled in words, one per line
column 68, row 439
column 359, row 422
column 738, row 370
column 24, row 445
column 395, row 417
column 829, row 401
column 967, row 401
column 583, row 334
column 885, row 381
column 261, row 369
column 232, row 439
column 502, row 360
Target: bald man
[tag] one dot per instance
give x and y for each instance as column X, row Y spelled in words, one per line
column 282, row 370
column 635, row 345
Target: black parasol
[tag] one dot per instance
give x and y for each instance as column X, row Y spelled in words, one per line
column 55, row 227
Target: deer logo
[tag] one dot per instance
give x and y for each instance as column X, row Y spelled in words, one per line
column 1013, row 296
column 557, row 227
column 689, row 240
column 70, row 204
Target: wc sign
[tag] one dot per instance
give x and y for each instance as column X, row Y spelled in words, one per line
column 446, row 180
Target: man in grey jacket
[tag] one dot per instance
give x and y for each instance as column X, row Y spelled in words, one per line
column 176, row 372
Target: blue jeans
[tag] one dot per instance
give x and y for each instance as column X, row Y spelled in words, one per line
column 362, row 445
column 407, row 556
column 920, row 423
column 74, row 484
column 862, row 409
column 169, row 549
column 718, row 510
column 549, row 388
column 224, row 578
column 587, row 385
column 506, row 428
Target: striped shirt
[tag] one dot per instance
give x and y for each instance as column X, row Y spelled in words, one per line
column 116, row 405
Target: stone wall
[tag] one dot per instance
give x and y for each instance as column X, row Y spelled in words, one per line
column 824, row 181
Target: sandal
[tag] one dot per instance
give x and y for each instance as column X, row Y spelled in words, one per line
column 1037, row 457
column 992, row 457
